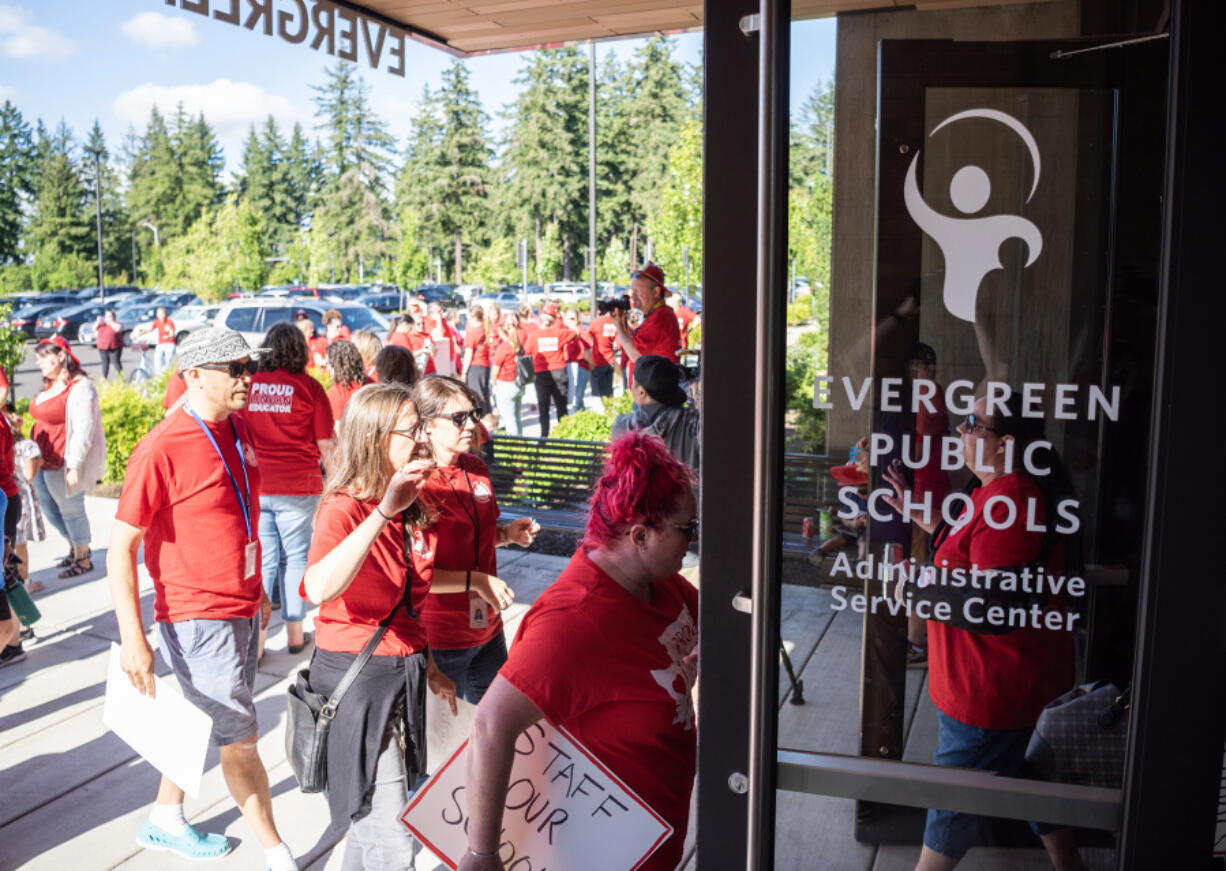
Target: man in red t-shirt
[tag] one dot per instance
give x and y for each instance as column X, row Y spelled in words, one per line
column 317, row 346
column 685, row 317
column 164, row 332
column 604, row 341
column 191, row 493
column 658, row 333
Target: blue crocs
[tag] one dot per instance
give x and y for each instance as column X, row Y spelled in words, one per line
column 190, row 845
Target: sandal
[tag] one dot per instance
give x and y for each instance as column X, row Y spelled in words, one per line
column 70, row 559
column 77, row 569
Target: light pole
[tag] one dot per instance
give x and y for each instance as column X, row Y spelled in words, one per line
column 591, row 171
column 98, row 214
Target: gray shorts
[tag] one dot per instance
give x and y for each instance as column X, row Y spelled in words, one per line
column 214, row 661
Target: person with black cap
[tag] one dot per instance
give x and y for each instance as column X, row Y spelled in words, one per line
column 661, row 408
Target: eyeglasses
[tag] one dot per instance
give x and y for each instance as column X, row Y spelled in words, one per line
column 974, row 426
column 690, row 528
column 235, row 368
column 459, row 417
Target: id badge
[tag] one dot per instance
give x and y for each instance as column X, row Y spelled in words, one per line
column 251, row 560
column 478, row 613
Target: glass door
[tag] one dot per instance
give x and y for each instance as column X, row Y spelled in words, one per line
column 987, row 448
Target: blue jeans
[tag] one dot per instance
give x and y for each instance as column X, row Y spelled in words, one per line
column 507, row 401
column 577, row 376
column 472, row 668
column 379, row 841
column 162, row 355
column 285, row 537
column 951, row 833
column 66, row 513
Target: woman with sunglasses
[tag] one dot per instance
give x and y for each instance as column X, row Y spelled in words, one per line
column 607, row 653
column 465, row 632
column 68, row 432
column 371, row 559
column 990, row 688
column 290, row 419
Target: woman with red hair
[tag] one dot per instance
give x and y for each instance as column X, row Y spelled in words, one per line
column 606, row 653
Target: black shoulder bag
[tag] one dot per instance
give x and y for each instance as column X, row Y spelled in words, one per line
column 309, row 716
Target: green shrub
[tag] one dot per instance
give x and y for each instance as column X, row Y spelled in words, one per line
column 805, row 361
column 617, row 405
column 128, row 413
column 586, row 426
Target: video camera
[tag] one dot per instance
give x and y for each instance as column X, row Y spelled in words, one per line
column 608, row 306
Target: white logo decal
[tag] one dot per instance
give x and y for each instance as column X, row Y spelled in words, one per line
column 547, row 344
column 272, row 398
column 679, row 639
column 481, row 493
column 971, row 246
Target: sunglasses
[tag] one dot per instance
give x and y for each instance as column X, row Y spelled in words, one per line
column 638, row 273
column 235, row 368
column 690, row 528
column 459, row 417
column 974, row 425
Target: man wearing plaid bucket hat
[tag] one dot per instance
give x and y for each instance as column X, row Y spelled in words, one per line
column 192, row 494
column 658, row 333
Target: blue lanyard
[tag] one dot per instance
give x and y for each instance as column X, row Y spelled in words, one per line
column 244, row 504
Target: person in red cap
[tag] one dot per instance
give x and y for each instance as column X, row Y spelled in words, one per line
column 659, row 333
column 854, row 473
column 547, row 348
column 68, row 431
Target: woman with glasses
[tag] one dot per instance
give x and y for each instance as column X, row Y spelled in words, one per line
column 290, row 418
column 68, row 432
column 606, row 653
column 989, row 683
column 371, row 560
column 465, row 633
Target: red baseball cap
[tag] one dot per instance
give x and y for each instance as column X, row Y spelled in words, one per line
column 61, row 343
column 551, row 309
column 654, row 274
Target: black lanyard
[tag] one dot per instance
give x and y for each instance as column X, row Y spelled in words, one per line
column 244, row 504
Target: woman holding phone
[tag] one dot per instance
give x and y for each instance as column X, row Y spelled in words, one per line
column 371, row 556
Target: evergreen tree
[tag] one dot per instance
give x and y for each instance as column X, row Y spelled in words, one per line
column 678, row 223
column 303, row 175
column 614, row 207
column 60, row 235
column 446, row 172
column 813, row 136
column 544, row 161
column 202, row 162
column 264, row 180
column 17, row 161
column 350, row 226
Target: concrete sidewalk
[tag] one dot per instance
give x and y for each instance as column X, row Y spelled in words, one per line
column 73, row 795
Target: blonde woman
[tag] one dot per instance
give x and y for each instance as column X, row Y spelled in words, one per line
column 371, row 557
column 505, row 365
column 368, row 345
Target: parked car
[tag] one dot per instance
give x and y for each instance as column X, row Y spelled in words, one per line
column 87, row 294
column 27, row 316
column 505, row 300
column 253, row 317
column 343, row 291
column 67, row 322
column 174, row 299
column 186, row 319
column 283, row 291
column 384, row 302
column 444, row 293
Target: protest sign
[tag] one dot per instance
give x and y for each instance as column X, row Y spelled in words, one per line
column 564, row 809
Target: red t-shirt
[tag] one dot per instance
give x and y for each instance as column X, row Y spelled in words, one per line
column 474, row 340
column 417, row 341
column 997, row 681
column 658, row 334
column 288, row 412
column 7, row 482
column 610, row 669
column 317, row 346
column 4, row 378
column 195, row 538
column 165, row 330
column 931, row 478
column 108, row 337
column 548, row 348
column 346, row 623
column 604, row 339
column 461, row 493
column 342, row 332
column 504, row 362
column 684, row 318
column 576, row 346
column 175, row 387
column 401, row 338
column 338, row 397
column 50, row 430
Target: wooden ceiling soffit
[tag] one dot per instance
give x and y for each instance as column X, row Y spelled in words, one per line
column 469, row 27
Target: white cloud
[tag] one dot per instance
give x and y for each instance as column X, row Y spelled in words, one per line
column 230, row 107
column 22, row 40
column 155, row 30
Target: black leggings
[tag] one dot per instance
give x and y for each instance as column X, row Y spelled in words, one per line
column 111, row 356
column 12, row 517
column 479, row 383
column 551, row 384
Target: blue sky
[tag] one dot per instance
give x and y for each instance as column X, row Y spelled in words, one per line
column 112, row 59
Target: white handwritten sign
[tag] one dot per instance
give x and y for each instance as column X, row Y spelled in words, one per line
column 564, row 809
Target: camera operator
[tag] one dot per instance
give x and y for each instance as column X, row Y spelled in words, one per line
column 659, row 333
